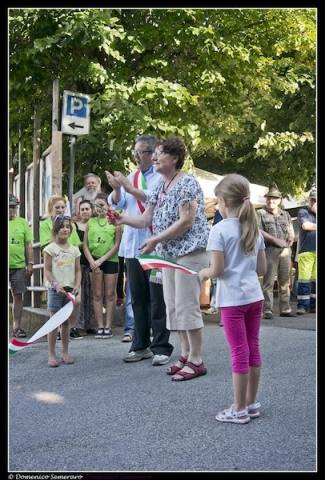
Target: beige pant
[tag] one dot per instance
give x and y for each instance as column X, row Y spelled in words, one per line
column 278, row 261
column 182, row 293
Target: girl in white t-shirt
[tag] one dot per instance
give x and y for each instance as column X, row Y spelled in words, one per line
column 237, row 259
column 63, row 274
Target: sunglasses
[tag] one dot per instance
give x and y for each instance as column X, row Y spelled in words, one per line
column 62, row 218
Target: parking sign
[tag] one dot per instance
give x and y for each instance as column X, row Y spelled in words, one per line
column 75, row 113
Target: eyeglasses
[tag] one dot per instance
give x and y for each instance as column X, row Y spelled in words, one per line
column 140, row 152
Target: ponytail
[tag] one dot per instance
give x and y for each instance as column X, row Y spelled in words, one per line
column 248, row 227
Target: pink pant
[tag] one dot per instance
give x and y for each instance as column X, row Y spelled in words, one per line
column 241, row 327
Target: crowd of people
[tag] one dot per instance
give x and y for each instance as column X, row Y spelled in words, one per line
column 161, row 211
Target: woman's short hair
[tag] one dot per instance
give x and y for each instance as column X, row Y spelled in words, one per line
column 175, row 146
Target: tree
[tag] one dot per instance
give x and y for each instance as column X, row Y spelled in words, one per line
column 238, row 85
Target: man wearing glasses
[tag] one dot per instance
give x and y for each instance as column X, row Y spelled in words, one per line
column 130, row 194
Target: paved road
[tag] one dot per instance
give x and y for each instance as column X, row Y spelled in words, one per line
column 103, row 415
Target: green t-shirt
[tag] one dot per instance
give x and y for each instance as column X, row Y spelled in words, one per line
column 19, row 234
column 45, row 233
column 101, row 237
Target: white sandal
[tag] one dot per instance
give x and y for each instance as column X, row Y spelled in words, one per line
column 253, row 410
column 230, row 415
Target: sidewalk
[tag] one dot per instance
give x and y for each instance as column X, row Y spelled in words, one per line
column 103, row 415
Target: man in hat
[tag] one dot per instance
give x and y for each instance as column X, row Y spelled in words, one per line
column 307, row 260
column 277, row 229
column 20, row 262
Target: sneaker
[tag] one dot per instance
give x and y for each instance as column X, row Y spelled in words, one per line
column 230, row 415
column 301, row 311
column 99, row 333
column 107, row 333
column 127, row 337
column 160, row 360
column 75, row 335
column 268, row 315
column 287, row 314
column 136, row 356
column 19, row 333
column 253, row 410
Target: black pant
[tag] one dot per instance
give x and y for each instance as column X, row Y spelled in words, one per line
column 148, row 309
column 120, row 278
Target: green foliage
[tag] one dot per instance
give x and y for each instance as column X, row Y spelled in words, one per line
column 237, row 84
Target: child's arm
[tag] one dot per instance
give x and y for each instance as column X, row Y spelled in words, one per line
column 261, row 263
column 48, row 272
column 87, row 252
column 112, row 251
column 216, row 269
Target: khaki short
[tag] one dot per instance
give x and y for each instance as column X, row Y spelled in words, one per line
column 182, row 292
column 18, row 280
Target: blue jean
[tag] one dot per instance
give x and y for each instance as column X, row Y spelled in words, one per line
column 128, row 317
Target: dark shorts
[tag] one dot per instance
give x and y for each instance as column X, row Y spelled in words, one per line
column 55, row 300
column 109, row 267
column 18, row 280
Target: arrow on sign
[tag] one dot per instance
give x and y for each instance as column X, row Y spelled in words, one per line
column 73, row 125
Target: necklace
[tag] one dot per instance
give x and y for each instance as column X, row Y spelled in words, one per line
column 101, row 224
column 165, row 187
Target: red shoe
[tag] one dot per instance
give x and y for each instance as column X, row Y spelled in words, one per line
column 175, row 368
column 198, row 371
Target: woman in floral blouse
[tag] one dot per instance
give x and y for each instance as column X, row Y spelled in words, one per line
column 175, row 210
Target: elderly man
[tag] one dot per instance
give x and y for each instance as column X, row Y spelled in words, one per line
column 277, row 229
column 307, row 260
column 130, row 193
column 20, row 262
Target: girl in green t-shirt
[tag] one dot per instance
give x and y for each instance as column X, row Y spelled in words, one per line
column 101, row 243
column 56, row 206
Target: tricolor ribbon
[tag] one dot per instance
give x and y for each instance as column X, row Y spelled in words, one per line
column 137, row 179
column 148, row 262
column 53, row 322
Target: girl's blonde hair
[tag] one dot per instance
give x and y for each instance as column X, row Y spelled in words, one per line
column 52, row 201
column 234, row 189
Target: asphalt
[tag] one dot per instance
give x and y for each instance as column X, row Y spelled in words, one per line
column 104, row 415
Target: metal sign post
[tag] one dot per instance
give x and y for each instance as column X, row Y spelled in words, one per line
column 71, row 170
column 75, row 121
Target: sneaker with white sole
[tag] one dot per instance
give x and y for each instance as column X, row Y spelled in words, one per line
column 230, row 415
column 253, row 410
column 301, row 311
column 136, row 356
column 99, row 333
column 160, row 360
column 107, row 333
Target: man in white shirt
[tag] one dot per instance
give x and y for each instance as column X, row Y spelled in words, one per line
column 130, row 194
